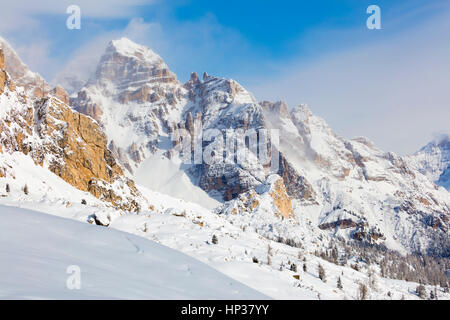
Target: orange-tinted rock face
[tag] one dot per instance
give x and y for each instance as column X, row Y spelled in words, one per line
column 70, row 144
column 271, row 194
column 281, row 199
column 2, row 72
column 2, row 60
column 87, row 163
column 61, row 94
column 88, row 107
column 2, row 81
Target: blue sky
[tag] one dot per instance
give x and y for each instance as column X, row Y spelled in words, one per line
column 363, row 82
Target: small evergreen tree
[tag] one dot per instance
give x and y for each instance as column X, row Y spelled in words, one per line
column 321, row 271
column 25, row 189
column 8, row 190
column 214, row 239
column 293, row 267
column 305, row 268
column 421, row 291
column 339, row 284
column 269, row 250
column 362, row 291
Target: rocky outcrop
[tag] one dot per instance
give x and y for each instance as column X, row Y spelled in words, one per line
column 61, row 94
column 86, row 106
column 2, row 72
column 296, row 185
column 71, row 145
column 268, row 198
column 341, row 224
column 2, row 59
column 134, row 79
column 281, row 200
column 21, row 75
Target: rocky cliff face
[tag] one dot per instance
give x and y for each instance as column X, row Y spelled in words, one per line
column 69, row 144
column 267, row 208
column 270, row 196
column 133, row 79
column 22, row 76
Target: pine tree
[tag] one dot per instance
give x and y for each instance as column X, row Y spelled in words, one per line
column 214, row 239
column 305, row 268
column 269, row 250
column 293, row 267
column 362, row 291
column 8, row 190
column 421, row 291
column 322, row 275
column 339, row 284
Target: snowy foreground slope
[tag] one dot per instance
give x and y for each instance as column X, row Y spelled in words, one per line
column 36, row 249
column 34, row 240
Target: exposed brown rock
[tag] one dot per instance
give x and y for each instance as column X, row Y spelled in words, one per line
column 281, row 199
column 2, row 72
column 61, row 94
column 342, row 224
column 2, row 60
column 71, row 144
column 296, row 185
column 2, row 80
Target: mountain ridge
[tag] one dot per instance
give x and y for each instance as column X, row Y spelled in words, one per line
column 320, row 170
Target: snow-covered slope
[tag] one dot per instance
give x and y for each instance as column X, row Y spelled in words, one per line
column 36, row 251
column 433, row 160
column 45, row 246
column 359, row 190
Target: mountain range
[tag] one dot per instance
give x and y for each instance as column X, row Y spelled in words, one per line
column 110, row 154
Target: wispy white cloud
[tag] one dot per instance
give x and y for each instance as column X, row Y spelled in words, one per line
column 393, row 89
column 184, row 46
column 23, row 13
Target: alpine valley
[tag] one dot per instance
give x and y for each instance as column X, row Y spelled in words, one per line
column 337, row 219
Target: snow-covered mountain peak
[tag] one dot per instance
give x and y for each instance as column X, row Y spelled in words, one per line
column 440, row 144
column 433, row 160
column 127, row 66
column 126, row 47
